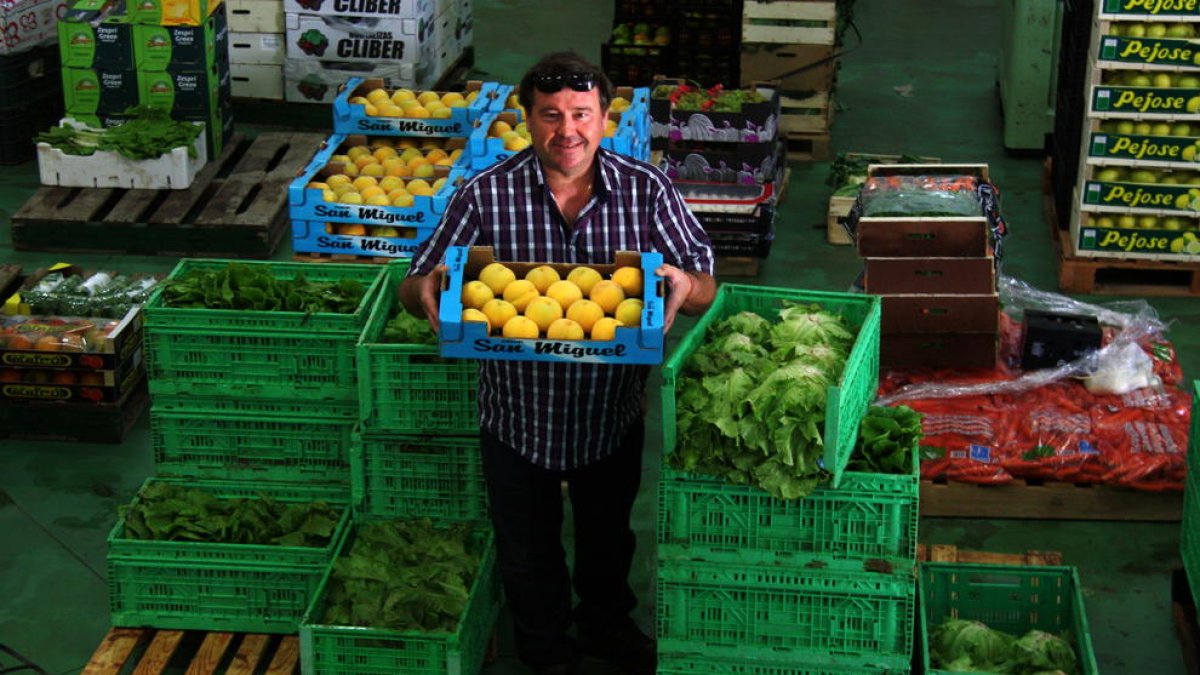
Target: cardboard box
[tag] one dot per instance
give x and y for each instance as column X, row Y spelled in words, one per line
column 257, row 80
column 941, row 313
column 309, row 205
column 28, row 23
column 186, row 91
column 756, row 123
column 937, row 350
column 1142, row 10
column 96, row 34
column 258, row 49
column 96, row 92
column 255, row 16
column 46, row 384
column 402, row 242
column 105, row 343
column 1112, row 50
column 797, row 67
column 930, row 275
column 723, row 162
column 351, row 118
column 469, row 339
column 1143, row 102
column 312, row 37
column 392, row 9
column 321, row 81
column 923, row 237
column 172, row 12
column 178, row 47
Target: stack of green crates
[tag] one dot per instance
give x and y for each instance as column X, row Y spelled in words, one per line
column 244, row 402
column 755, row 585
column 415, row 454
column 1189, row 535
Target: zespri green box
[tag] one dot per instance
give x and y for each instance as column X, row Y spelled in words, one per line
column 91, row 91
column 158, row 48
column 96, row 33
column 183, row 92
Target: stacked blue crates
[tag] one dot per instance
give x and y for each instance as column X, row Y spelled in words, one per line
column 750, row 583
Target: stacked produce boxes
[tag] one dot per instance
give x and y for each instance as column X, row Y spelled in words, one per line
column 415, row 455
column 1136, row 192
column 30, row 100
column 640, row 46
column 71, row 364
column 795, row 42
column 330, row 42
column 933, row 263
column 256, row 48
column 723, row 152
column 706, row 36
column 379, row 185
column 173, row 56
column 254, row 384
column 757, row 582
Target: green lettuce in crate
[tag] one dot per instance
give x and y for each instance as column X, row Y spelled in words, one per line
column 886, row 438
column 404, row 575
column 751, row 401
column 965, row 646
column 253, row 287
column 170, row 512
column 405, row 328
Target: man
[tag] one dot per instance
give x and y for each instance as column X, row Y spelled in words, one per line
column 566, row 200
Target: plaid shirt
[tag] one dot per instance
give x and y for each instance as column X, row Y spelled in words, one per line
column 565, row 415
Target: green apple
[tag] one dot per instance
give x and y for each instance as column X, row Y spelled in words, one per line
column 1184, row 177
column 1187, row 82
column 1125, row 127
column 1172, row 223
column 1136, row 30
column 1160, row 129
column 1161, row 80
column 1193, row 104
column 1181, row 30
column 1169, row 179
column 1188, row 154
column 1156, row 30
column 1181, row 129
column 1143, row 176
column 1108, row 175
column 1104, row 221
column 1142, row 81
column 1142, row 128
column 1147, row 222
column 1127, row 222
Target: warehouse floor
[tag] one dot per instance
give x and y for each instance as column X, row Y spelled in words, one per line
column 921, row 82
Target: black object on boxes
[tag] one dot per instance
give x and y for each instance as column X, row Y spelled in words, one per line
column 1053, row 339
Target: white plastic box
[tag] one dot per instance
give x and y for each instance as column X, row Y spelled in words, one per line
column 106, row 169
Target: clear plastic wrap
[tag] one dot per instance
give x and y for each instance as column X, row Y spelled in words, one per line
column 921, row 196
column 1114, row 416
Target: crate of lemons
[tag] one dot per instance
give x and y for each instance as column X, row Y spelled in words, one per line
column 374, row 105
column 384, row 171
column 552, row 311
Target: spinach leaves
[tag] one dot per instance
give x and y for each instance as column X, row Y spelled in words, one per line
column 254, row 287
column 886, row 439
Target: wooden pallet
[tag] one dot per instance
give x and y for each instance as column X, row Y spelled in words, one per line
column 951, row 553
column 1029, row 499
column 1183, row 615
column 1115, row 276
column 807, row 147
column 237, row 207
column 200, row 652
column 839, row 208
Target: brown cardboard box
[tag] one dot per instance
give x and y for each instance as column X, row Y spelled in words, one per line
column 766, row 61
column 922, row 237
column 937, row 350
column 940, row 314
column 886, row 276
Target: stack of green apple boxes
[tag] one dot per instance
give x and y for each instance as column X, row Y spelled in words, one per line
column 168, row 54
column 254, row 402
column 415, row 455
column 753, row 584
column 1138, row 191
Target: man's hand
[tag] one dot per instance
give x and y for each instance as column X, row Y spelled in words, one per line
column 687, row 292
column 420, row 295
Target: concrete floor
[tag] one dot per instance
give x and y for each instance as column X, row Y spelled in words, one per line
column 57, row 500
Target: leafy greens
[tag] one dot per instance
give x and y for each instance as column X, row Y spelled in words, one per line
column 750, row 405
column 147, row 134
column 886, row 439
column 408, row 329
column 242, row 286
column 171, row 512
column 965, row 646
column 404, row 575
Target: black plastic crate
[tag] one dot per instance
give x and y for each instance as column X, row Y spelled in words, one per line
column 635, row 65
column 32, row 68
column 742, row 244
column 709, row 31
column 650, row 11
column 709, row 69
column 726, row 7
column 39, row 108
column 1070, row 105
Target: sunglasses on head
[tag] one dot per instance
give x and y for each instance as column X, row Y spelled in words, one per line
column 549, row 84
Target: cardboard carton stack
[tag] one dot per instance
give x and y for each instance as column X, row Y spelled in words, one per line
column 936, row 273
column 172, row 55
column 256, row 48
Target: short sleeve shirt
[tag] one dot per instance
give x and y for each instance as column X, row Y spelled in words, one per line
column 566, row 415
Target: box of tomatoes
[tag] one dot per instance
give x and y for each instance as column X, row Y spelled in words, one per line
column 65, row 358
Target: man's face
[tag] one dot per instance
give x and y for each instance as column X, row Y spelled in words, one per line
column 566, row 128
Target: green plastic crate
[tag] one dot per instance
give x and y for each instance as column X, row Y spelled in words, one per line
column 1189, row 534
column 870, row 516
column 410, row 389
column 249, row 439
column 225, row 587
column 439, row 477
column 847, row 401
column 1010, row 598
column 691, row 664
column 838, row 609
column 274, row 355
column 345, row 650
